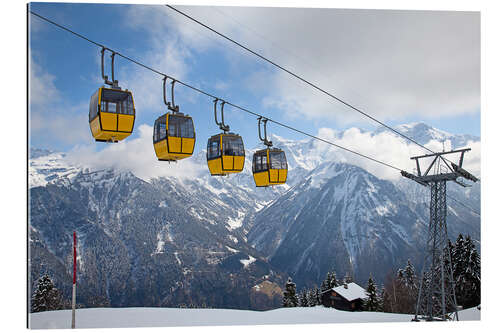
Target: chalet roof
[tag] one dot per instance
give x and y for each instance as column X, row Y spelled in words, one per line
column 352, row 292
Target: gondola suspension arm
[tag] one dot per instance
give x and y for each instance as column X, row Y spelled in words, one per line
column 264, row 140
column 171, row 106
column 221, row 124
column 113, row 83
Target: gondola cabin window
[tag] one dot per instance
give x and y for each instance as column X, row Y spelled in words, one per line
column 181, row 127
column 260, row 163
column 213, row 149
column 278, row 160
column 232, row 146
column 117, row 102
column 160, row 130
column 186, row 127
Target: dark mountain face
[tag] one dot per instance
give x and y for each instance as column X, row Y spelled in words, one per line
column 339, row 217
column 140, row 245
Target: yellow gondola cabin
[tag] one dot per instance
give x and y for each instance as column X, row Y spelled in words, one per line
column 174, row 137
column 111, row 114
column 269, row 167
column 225, row 154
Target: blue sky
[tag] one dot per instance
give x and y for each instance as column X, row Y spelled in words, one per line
column 435, row 88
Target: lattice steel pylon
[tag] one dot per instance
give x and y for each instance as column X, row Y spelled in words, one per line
column 436, row 295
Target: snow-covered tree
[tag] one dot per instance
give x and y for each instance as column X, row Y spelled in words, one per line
column 290, row 298
column 400, row 275
column 333, row 280
column 466, row 272
column 328, row 280
column 311, row 297
column 324, row 286
column 303, row 298
column 372, row 303
column 317, row 295
column 410, row 277
column 46, row 297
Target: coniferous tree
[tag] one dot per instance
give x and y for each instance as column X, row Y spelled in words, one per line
column 46, row 297
column 400, row 275
column 317, row 294
column 410, row 285
column 290, row 298
column 303, row 299
column 372, row 303
column 324, row 286
column 409, row 276
column 311, row 297
column 328, row 281
column 467, row 272
column 333, row 280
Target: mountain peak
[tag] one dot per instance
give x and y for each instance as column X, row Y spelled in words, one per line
column 423, row 133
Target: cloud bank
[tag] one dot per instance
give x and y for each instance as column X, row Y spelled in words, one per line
column 391, row 63
column 388, row 148
column 134, row 155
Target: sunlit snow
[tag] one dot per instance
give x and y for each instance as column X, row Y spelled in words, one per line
column 162, row 317
column 248, row 261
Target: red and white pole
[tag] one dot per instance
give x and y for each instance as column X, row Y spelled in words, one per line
column 73, row 302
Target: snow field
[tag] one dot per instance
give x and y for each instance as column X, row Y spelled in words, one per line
column 164, row 317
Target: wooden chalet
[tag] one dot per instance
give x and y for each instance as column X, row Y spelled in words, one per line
column 347, row 297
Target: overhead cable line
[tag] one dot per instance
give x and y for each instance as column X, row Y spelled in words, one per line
column 215, row 97
column 466, row 206
column 300, row 78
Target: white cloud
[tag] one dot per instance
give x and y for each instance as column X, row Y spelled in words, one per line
column 134, row 155
column 388, row 148
column 169, row 52
column 42, row 90
column 391, row 64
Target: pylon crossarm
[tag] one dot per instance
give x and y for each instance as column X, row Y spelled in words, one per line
column 441, row 153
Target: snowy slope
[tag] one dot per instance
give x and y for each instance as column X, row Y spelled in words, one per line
column 161, row 317
column 45, row 166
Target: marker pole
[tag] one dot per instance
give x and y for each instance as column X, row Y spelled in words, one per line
column 73, row 302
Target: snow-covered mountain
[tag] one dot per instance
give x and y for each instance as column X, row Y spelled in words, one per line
column 214, row 240
column 423, row 133
column 46, row 166
column 158, row 243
